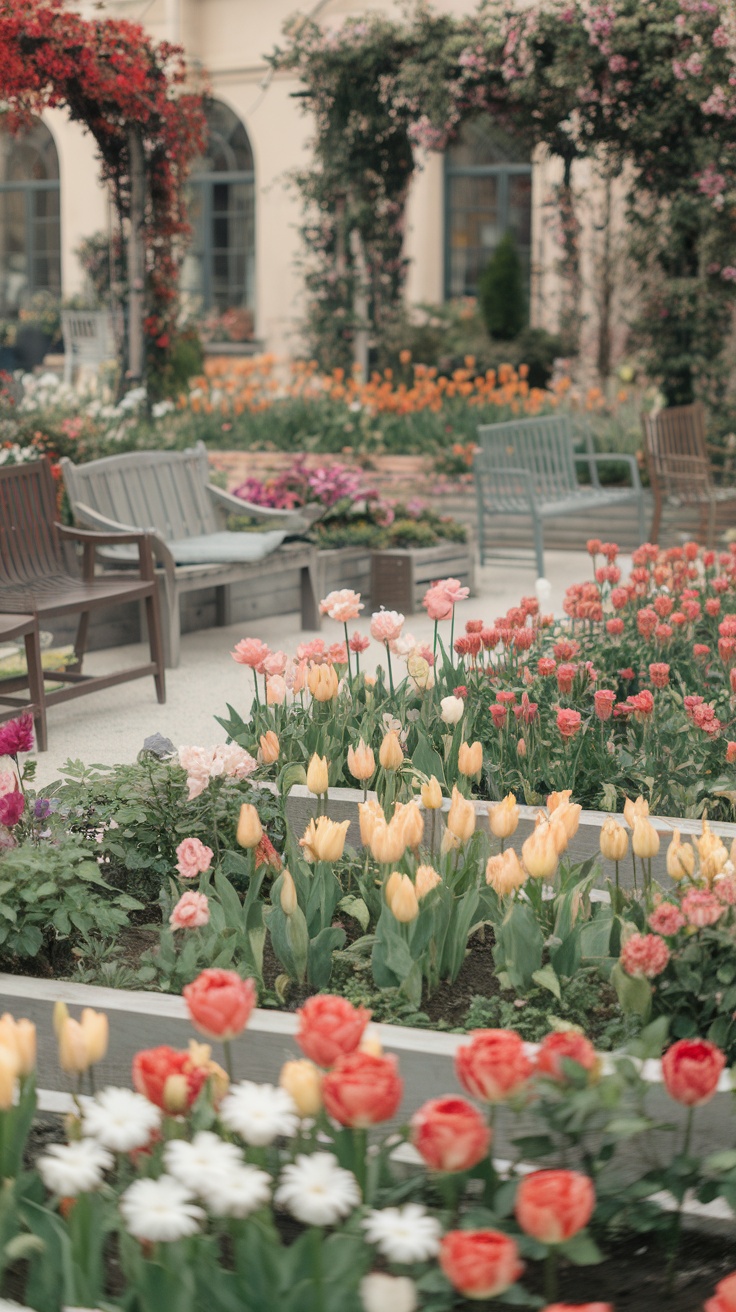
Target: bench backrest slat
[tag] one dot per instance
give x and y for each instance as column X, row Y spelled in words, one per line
column 161, row 490
column 543, row 446
column 29, row 543
column 677, row 452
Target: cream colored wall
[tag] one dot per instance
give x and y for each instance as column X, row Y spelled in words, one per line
column 229, row 39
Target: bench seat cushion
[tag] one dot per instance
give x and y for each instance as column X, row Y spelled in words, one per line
column 226, row 548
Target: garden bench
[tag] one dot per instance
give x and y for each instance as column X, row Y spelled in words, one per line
column 680, row 469
column 528, row 467
column 26, row 627
column 168, row 495
column 36, row 580
column 89, row 339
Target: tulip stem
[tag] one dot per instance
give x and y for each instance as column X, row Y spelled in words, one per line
column 347, row 648
column 317, row 1275
column 227, row 1050
column 550, row 1276
column 390, row 670
column 677, row 1227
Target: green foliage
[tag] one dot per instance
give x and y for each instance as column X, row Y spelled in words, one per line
column 170, row 375
column 585, row 1001
column 501, row 291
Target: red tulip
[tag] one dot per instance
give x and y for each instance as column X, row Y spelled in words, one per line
column 493, row 1065
column 362, row 1089
column 565, row 1045
column 450, row 1134
column 691, row 1069
column 724, row 1299
column 168, row 1078
column 219, row 1003
column 480, row 1263
column 330, row 1027
column 552, row 1206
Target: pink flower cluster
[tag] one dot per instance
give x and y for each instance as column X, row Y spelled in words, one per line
column 203, row 764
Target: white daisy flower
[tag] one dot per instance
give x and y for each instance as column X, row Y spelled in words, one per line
column 239, row 1193
column 382, row 1293
column 203, row 1162
column 317, row 1190
column 403, row 1234
column 259, row 1113
column 68, row 1169
column 160, row 1210
column 120, row 1119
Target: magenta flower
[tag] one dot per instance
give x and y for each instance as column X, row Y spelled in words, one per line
column 17, row 735
column 12, row 806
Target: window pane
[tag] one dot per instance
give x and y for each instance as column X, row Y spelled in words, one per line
column 14, row 269
column 481, row 141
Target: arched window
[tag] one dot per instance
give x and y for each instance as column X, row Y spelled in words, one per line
column 30, row 245
column 219, row 268
column 488, row 192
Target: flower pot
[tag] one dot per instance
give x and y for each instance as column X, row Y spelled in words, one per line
column 31, row 345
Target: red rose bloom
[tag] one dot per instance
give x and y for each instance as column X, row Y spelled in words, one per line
column 691, row 1069
column 480, row 1263
column 362, row 1089
column 568, row 722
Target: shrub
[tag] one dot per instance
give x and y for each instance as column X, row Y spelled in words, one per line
column 501, row 292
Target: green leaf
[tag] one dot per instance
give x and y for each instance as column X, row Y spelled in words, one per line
column 635, row 995
column 582, row 1250
column 547, row 979
column 356, row 907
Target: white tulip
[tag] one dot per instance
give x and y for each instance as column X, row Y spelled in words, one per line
column 453, row 709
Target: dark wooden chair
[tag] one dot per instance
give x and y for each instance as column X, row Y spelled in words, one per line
column 680, row 469
column 36, row 577
column 26, row 627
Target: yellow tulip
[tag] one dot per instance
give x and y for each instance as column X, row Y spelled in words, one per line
column 558, row 799
column 565, row 819
column 387, row 842
column 432, row 795
column 425, row 879
column 175, row 1097
column 317, row 775
column 249, row 832
column 9, row 1072
column 368, row 814
column 361, row 761
column 680, row 858
column 287, row 895
column 390, row 754
column 712, row 852
column 540, row 851
column 61, row 1013
column 269, row 747
column 19, row 1036
column 96, row 1031
column 470, row 759
column 403, row 903
column 303, row 1082
column 450, row 842
column 393, row 883
column 634, row 810
column 503, row 817
column 323, row 682
column 645, row 839
column 371, row 1043
column 411, row 823
column 72, row 1047
column 461, row 816
column 614, row 840
column 324, row 839
column 504, row 872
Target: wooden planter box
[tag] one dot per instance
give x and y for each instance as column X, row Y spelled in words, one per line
column 400, row 576
column 345, row 567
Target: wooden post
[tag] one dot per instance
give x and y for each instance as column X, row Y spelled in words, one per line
column 360, row 303
column 136, row 258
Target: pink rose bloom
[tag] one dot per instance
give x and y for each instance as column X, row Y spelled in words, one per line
column 233, row 761
column 276, row 690
column 311, row 651
column 8, row 782
column 386, row 625
column 666, row 919
column 426, row 653
column 644, row 956
column 359, row 642
column 453, row 590
column 196, row 761
column 12, row 806
column 437, row 604
column 251, row 652
column 275, row 662
column 701, row 908
column 343, row 605
column 193, row 858
column 191, row 911
column 337, row 652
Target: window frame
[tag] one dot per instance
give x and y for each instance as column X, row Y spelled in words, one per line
column 29, row 188
column 203, row 185
column 502, row 172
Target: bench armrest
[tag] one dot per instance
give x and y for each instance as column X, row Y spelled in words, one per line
column 91, row 539
column 103, row 525
column 500, row 476
column 594, row 458
column 296, row 521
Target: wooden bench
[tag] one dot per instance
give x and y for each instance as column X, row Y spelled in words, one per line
column 89, row 339
column 36, row 579
column 528, row 467
column 680, row 468
column 168, row 495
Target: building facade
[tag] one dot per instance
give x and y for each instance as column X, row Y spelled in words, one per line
column 245, row 212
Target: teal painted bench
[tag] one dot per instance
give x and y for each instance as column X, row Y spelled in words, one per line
column 529, row 467
column 168, row 495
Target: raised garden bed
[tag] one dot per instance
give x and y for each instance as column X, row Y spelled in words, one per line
column 400, row 577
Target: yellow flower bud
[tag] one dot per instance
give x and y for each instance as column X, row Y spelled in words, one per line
column 249, row 832
column 72, row 1047
column 269, row 747
column 175, row 1096
column 632, row 810
column 391, row 755
column 470, row 759
column 461, row 816
column 680, row 858
column 393, row 883
column 20, row 1037
column 200, row 1054
column 368, row 813
column 303, row 1082
column 645, row 839
column 712, row 852
column 324, row 839
column 387, row 841
column 450, row 842
column 432, row 795
column 371, row 1043
column 219, row 1081
column 503, row 817
column 403, row 902
column 287, row 895
column 425, row 879
column 614, row 840
column 9, row 1072
column 504, row 872
column 323, row 682
column 317, row 775
column 361, row 761
column 61, row 1014
column 540, row 851
column 411, row 823
column 96, row 1031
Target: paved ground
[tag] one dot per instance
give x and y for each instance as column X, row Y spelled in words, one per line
column 109, row 726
